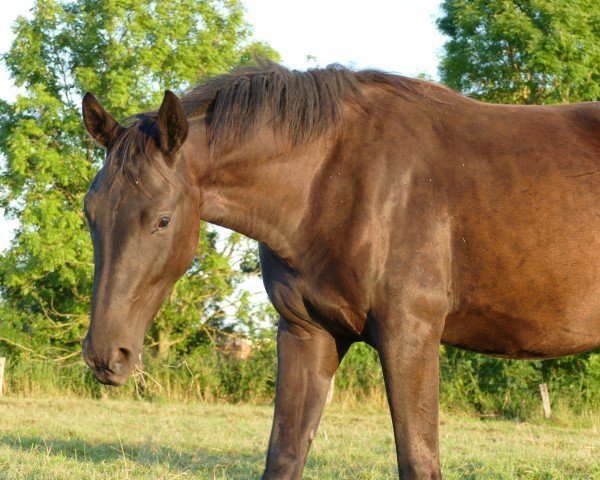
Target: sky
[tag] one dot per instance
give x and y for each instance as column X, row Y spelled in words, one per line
column 394, row 35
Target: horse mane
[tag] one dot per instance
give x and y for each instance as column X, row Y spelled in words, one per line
column 301, row 105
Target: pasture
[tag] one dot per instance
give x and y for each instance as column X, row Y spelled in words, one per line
column 106, row 439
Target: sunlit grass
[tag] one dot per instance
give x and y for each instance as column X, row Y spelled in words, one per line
column 86, row 439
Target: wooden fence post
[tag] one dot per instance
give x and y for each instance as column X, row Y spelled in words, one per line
column 329, row 398
column 2, row 363
column 545, row 400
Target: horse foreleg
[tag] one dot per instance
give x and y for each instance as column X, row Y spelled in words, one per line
column 409, row 354
column 307, row 359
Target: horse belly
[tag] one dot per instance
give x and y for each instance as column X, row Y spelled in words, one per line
column 519, row 301
column 485, row 331
column 534, row 295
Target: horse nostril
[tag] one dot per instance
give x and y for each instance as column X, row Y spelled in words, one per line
column 121, row 359
column 125, row 353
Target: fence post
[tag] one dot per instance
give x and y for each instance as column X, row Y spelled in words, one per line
column 545, row 400
column 2, row 363
column 329, row 398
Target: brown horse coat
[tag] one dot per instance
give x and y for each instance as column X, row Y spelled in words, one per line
column 389, row 210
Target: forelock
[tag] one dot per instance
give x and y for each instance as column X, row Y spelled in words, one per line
column 135, row 150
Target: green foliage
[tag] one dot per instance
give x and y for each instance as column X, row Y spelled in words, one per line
column 127, row 52
column 489, row 386
column 470, row 383
column 522, row 51
column 359, row 376
column 204, row 375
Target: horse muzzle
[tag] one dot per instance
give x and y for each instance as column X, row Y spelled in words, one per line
column 110, row 365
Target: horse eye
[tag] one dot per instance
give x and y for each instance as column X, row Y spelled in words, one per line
column 163, row 222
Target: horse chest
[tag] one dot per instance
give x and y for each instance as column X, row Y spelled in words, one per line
column 302, row 299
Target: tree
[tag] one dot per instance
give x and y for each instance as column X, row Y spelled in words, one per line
column 127, row 52
column 522, row 51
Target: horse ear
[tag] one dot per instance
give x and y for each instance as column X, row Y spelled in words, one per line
column 172, row 124
column 101, row 125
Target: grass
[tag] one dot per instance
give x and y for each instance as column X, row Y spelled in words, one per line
column 105, row 439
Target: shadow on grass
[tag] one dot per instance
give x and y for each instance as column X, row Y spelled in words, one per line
column 236, row 464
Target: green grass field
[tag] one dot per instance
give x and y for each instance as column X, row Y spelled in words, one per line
column 85, row 439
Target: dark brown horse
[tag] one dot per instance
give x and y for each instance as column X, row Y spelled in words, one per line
column 388, row 210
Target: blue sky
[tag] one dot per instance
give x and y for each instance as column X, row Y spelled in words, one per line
column 394, row 35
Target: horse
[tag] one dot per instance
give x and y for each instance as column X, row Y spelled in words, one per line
column 388, row 210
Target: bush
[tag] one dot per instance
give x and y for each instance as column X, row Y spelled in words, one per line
column 470, row 383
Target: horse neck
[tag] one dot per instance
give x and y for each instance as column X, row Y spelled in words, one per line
column 260, row 189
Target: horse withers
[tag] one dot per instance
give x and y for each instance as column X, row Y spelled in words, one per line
column 389, row 210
